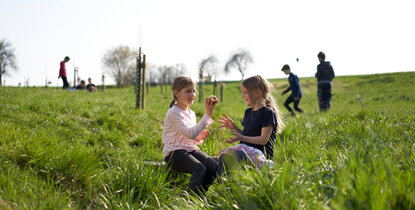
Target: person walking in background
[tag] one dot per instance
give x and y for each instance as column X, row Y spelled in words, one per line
column 295, row 88
column 324, row 75
column 90, row 86
column 62, row 72
column 261, row 122
column 181, row 135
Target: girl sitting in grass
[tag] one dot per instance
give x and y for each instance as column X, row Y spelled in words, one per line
column 261, row 122
column 182, row 134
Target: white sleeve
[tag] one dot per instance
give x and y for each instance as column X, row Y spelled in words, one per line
column 189, row 131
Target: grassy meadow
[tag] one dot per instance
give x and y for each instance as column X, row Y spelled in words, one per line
column 64, row 150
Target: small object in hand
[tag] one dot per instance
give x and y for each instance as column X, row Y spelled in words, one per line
column 213, row 99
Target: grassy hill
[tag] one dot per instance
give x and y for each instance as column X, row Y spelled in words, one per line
column 62, row 149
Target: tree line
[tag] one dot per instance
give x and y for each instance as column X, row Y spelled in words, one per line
column 120, row 63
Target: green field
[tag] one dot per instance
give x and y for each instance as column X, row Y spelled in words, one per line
column 62, row 149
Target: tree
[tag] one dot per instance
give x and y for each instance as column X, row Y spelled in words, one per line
column 240, row 61
column 209, row 67
column 7, row 59
column 120, row 63
column 151, row 73
column 179, row 70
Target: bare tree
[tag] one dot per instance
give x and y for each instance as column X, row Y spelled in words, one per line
column 240, row 61
column 180, row 70
column 209, row 66
column 7, row 59
column 165, row 76
column 120, row 63
column 168, row 73
column 151, row 74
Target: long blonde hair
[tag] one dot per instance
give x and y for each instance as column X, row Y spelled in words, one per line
column 257, row 83
column 178, row 84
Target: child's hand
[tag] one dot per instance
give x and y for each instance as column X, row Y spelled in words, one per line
column 202, row 136
column 210, row 104
column 236, row 137
column 226, row 122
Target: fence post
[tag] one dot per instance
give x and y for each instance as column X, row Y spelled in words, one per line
column 221, row 90
column 143, row 83
column 103, row 83
column 200, row 85
column 138, row 79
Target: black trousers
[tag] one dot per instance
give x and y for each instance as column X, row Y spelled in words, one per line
column 65, row 83
column 289, row 100
column 324, row 96
column 202, row 167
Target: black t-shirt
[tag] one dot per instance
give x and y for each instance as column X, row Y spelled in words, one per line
column 89, row 87
column 79, row 87
column 253, row 123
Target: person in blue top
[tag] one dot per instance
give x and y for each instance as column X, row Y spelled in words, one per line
column 295, row 88
column 261, row 122
column 324, row 75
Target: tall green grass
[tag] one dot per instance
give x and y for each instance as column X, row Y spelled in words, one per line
column 62, row 149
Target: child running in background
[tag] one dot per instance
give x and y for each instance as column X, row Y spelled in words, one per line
column 261, row 122
column 296, row 92
column 182, row 133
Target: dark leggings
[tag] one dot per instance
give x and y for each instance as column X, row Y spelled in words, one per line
column 289, row 100
column 65, row 83
column 200, row 165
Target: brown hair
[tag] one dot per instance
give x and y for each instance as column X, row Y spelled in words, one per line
column 178, row 84
column 256, row 83
column 321, row 55
column 286, row 66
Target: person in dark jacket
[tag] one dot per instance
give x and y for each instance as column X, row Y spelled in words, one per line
column 295, row 88
column 324, row 75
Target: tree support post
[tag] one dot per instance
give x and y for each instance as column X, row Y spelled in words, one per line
column 138, row 79
column 143, row 81
column 200, row 85
column 221, row 90
column 75, row 74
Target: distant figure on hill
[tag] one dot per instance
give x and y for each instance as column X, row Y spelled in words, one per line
column 261, row 122
column 81, row 86
column 182, row 134
column 324, row 75
column 90, row 86
column 295, row 89
column 62, row 72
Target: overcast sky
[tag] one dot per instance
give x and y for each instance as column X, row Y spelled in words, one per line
column 358, row 37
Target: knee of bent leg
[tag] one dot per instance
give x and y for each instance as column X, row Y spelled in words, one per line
column 286, row 104
column 241, row 155
column 200, row 168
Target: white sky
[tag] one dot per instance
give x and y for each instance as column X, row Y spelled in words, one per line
column 358, row 36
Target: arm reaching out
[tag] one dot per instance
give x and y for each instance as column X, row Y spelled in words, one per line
column 261, row 140
column 228, row 123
